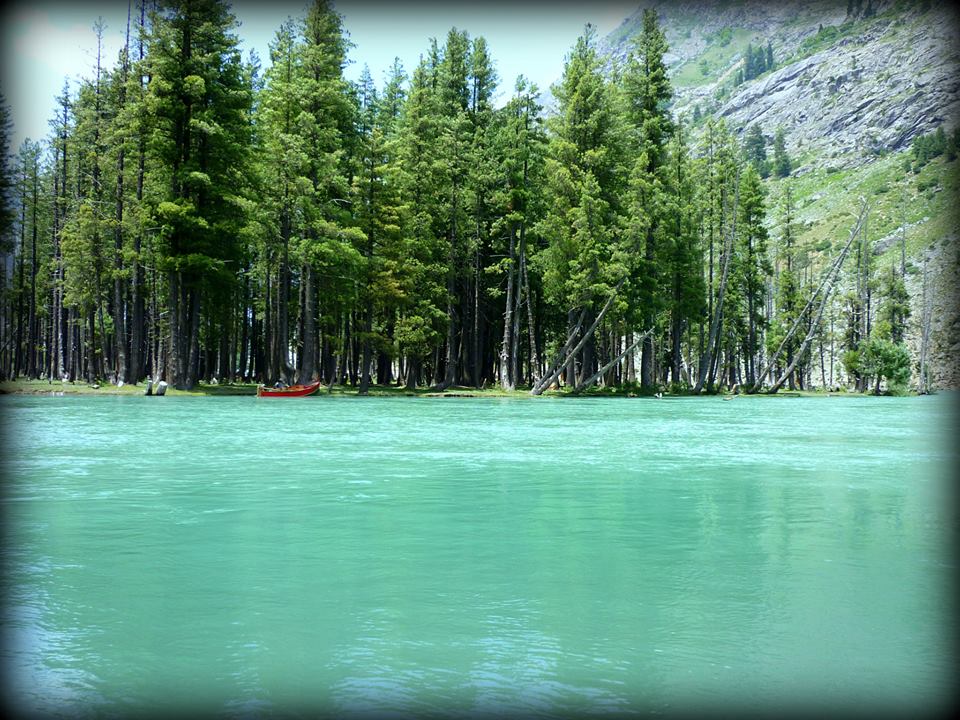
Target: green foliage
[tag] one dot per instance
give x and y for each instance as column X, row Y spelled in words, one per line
column 782, row 165
column 881, row 359
column 894, row 309
column 647, row 91
column 932, row 145
column 789, row 300
column 824, row 38
column 292, row 213
column 200, row 103
column 6, row 179
column 581, row 182
column 754, row 150
column 722, row 37
column 755, row 61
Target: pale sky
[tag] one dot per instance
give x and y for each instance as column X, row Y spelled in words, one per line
column 44, row 42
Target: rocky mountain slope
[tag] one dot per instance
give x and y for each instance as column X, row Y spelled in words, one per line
column 844, row 87
column 853, row 84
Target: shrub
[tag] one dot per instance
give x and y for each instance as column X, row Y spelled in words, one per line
column 884, row 359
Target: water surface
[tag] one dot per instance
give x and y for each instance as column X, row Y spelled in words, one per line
column 426, row 557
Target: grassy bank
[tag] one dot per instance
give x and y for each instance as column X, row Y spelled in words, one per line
column 57, row 388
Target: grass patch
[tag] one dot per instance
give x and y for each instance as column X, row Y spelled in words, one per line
column 718, row 57
column 826, row 202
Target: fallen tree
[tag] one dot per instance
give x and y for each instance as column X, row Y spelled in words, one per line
column 823, row 292
column 566, row 352
column 584, row 384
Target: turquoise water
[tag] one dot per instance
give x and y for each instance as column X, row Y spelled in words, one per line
column 419, row 557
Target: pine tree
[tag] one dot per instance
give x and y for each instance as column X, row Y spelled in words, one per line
column 788, row 300
column 199, row 145
column 581, row 195
column 781, row 161
column 754, row 150
column 519, row 140
column 895, row 308
column 422, row 311
column 749, row 67
column 684, row 252
column 755, row 264
column 7, row 182
column 328, row 251
column 283, row 168
column 482, row 183
column 647, row 91
column 8, row 364
column 759, row 62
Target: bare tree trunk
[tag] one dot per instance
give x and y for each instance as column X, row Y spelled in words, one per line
column 567, row 354
column 570, row 367
column 507, row 378
column 599, row 373
column 824, row 288
column 193, row 339
column 32, row 333
column 413, row 369
column 453, row 346
column 534, row 359
column 19, row 361
column 173, row 313
column 366, row 351
column 923, row 384
column 708, row 360
column 308, row 368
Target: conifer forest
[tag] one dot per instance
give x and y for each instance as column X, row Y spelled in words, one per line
column 198, row 216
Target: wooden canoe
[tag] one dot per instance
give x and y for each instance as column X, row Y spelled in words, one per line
column 292, row 391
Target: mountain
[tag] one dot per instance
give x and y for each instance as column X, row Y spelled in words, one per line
column 853, row 85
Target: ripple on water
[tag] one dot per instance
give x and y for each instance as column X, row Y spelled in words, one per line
column 406, row 557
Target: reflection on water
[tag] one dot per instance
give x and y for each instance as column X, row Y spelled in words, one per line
column 407, row 557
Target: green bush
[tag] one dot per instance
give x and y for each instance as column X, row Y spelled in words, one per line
column 883, row 359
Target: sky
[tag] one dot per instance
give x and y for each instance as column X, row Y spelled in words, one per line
column 42, row 42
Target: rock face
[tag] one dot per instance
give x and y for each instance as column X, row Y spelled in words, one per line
column 860, row 97
column 861, row 86
column 943, row 292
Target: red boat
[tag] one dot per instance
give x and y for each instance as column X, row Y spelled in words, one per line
column 292, row 391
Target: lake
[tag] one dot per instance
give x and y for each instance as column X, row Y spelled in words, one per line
column 395, row 557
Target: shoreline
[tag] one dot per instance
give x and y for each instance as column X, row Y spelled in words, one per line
column 62, row 389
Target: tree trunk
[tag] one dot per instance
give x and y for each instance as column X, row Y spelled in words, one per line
column 413, row 369
column 825, row 287
column 508, row 379
column 566, row 354
column 534, row 358
column 708, row 360
column 32, row 333
column 308, row 367
column 599, row 373
column 452, row 353
column 193, row 339
column 19, row 361
column 366, row 351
